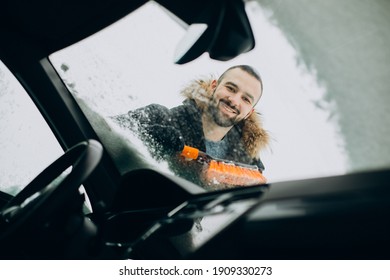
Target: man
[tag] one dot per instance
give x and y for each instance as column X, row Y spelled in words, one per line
column 217, row 117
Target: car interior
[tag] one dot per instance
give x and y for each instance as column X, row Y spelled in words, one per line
column 96, row 196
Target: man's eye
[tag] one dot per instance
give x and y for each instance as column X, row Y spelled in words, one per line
column 247, row 100
column 231, row 89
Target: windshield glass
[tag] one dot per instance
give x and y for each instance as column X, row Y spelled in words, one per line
column 304, row 117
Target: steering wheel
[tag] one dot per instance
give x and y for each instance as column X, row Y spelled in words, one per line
column 49, row 191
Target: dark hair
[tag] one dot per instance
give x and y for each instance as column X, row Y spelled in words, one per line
column 249, row 69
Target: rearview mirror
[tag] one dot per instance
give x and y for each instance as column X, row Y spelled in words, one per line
column 219, row 27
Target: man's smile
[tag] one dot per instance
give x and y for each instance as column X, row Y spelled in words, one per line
column 225, row 106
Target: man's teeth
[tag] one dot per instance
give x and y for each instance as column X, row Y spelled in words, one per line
column 228, row 108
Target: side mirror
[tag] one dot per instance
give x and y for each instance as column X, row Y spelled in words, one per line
column 219, row 27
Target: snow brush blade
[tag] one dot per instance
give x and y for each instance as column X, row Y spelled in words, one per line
column 231, row 173
column 225, row 172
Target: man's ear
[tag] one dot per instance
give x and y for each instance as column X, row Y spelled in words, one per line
column 213, row 84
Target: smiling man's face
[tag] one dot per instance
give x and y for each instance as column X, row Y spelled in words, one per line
column 234, row 97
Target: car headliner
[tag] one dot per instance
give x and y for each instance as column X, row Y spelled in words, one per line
column 54, row 25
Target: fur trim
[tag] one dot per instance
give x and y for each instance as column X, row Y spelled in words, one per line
column 255, row 137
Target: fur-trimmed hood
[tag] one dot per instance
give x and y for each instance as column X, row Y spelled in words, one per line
column 254, row 136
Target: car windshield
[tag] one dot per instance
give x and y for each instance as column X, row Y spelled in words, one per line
column 304, row 107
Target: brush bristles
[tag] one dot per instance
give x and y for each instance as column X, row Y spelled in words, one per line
column 231, row 174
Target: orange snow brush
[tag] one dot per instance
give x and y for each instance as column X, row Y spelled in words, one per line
column 219, row 171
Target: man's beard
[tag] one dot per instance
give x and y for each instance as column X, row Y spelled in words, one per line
column 219, row 117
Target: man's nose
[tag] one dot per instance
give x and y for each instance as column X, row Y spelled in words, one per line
column 234, row 99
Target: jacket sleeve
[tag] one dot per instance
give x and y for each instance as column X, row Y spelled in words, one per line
column 153, row 126
column 142, row 117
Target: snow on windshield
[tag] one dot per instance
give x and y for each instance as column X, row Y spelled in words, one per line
column 130, row 65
